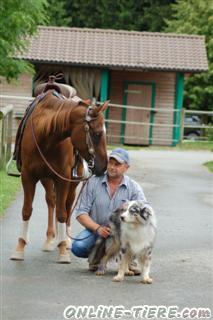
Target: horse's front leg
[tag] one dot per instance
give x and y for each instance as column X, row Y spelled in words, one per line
column 62, row 189
column 69, row 208
column 29, row 191
column 49, row 244
column 71, row 202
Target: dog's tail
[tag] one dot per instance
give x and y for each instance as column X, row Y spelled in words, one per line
column 97, row 252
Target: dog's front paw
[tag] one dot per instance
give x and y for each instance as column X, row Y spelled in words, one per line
column 147, row 280
column 118, row 278
column 129, row 273
column 101, row 270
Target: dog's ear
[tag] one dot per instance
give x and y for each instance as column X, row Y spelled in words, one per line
column 119, row 209
column 123, row 207
column 145, row 212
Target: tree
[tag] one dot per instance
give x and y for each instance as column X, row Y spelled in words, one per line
column 141, row 15
column 18, row 20
column 196, row 17
column 57, row 14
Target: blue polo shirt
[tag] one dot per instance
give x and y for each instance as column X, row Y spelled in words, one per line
column 96, row 201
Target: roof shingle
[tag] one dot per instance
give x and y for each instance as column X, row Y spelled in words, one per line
column 118, row 49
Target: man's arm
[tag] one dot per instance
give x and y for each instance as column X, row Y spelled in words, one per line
column 90, row 224
column 87, row 222
column 84, row 207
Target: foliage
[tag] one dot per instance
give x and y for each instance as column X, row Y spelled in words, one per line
column 209, row 165
column 196, row 17
column 141, row 15
column 209, row 133
column 8, row 189
column 57, row 14
column 18, row 20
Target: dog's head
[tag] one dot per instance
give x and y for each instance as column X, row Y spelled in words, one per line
column 136, row 212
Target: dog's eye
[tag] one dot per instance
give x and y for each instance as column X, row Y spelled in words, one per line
column 134, row 210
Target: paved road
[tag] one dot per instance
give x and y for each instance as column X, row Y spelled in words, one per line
column 180, row 190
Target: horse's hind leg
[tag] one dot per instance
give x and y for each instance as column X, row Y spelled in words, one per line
column 49, row 244
column 29, row 191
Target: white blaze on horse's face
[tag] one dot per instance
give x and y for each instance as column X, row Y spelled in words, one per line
column 104, row 129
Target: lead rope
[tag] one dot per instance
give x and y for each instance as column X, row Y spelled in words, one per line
column 76, row 201
column 63, row 178
column 47, row 163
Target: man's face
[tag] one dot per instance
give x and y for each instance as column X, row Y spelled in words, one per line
column 116, row 169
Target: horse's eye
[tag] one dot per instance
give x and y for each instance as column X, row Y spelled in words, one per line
column 96, row 137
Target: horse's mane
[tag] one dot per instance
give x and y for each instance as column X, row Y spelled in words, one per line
column 53, row 115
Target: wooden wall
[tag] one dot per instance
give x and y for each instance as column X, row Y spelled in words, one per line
column 165, row 95
column 22, row 87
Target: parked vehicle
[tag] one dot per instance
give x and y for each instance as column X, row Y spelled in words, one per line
column 192, row 133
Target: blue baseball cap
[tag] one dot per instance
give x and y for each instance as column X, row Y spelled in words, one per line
column 121, row 155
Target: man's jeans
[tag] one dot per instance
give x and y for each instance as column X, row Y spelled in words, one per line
column 82, row 248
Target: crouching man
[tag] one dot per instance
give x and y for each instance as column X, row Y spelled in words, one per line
column 100, row 197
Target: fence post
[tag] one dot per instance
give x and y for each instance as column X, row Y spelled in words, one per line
column 5, row 134
column 9, row 135
column 182, row 125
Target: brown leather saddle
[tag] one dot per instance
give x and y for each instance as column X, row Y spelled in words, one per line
column 60, row 90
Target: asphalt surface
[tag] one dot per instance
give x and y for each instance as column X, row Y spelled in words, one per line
column 180, row 189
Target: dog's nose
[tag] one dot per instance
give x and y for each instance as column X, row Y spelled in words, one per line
column 122, row 218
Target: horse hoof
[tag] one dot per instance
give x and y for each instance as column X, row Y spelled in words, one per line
column 49, row 246
column 64, row 258
column 17, row 255
column 68, row 243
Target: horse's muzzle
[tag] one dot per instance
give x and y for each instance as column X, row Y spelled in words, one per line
column 99, row 168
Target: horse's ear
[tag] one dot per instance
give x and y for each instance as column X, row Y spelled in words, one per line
column 86, row 102
column 104, row 106
column 94, row 112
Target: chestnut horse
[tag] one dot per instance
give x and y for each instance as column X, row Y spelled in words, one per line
column 55, row 128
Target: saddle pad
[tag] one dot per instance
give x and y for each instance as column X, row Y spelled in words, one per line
column 20, row 131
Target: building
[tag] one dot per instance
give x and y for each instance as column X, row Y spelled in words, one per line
column 142, row 73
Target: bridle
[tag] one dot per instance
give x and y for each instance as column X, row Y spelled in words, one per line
column 89, row 143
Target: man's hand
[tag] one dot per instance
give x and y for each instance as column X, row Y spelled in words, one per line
column 103, row 231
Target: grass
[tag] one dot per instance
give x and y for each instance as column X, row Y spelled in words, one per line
column 209, row 165
column 186, row 145
column 9, row 186
column 196, row 145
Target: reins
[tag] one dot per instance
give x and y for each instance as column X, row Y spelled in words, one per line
column 76, row 201
column 91, row 151
column 89, row 145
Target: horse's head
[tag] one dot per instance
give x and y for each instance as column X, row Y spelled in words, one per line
column 89, row 136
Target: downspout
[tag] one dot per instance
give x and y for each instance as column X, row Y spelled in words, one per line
column 104, row 90
column 178, row 106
